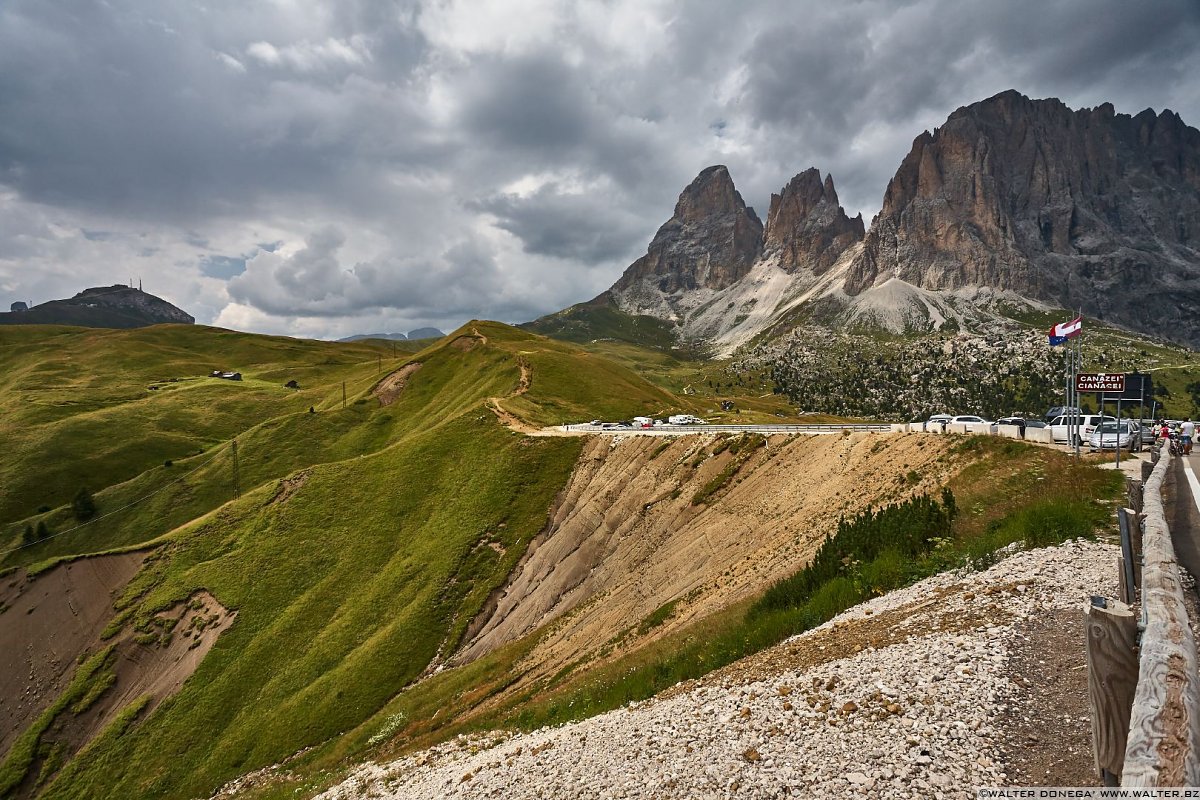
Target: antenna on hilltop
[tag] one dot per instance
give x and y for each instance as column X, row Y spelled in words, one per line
column 139, row 284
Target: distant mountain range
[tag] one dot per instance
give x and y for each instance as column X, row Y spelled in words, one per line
column 419, row 333
column 1013, row 204
column 100, row 307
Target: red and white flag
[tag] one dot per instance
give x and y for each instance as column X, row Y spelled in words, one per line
column 1067, row 330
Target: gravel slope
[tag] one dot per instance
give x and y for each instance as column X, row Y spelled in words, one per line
column 906, row 696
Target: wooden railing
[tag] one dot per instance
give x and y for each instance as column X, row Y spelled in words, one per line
column 1164, row 728
column 1142, row 675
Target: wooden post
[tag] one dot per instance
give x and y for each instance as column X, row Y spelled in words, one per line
column 1112, row 678
column 1133, row 493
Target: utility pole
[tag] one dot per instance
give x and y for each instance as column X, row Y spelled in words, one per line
column 378, row 363
column 343, row 394
column 237, row 482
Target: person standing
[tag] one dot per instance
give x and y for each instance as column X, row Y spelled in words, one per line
column 1186, row 431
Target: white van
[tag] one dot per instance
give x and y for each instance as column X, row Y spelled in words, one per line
column 1087, row 423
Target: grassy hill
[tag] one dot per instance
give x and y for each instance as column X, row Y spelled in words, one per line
column 398, row 522
column 365, row 538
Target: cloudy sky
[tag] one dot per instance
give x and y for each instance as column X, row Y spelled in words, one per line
column 348, row 166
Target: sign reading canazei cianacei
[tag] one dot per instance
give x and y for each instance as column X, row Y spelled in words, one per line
column 1100, row 382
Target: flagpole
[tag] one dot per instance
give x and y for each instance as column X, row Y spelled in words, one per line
column 1079, row 365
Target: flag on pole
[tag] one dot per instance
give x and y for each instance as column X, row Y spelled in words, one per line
column 1055, row 341
column 1067, row 330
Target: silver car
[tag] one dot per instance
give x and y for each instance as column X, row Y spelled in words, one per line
column 1110, row 435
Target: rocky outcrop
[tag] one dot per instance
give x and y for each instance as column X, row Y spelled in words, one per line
column 1079, row 209
column 806, row 226
column 710, row 242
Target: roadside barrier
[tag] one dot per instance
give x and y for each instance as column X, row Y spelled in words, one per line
column 1142, row 670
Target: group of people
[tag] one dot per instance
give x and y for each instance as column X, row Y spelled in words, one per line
column 1185, row 432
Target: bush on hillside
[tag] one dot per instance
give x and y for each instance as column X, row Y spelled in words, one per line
column 883, row 540
column 42, row 531
column 82, row 505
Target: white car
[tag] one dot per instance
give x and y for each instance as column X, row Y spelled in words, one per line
column 1087, row 423
column 937, row 421
column 1110, row 435
column 973, row 423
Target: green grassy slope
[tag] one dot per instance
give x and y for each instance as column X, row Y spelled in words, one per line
column 76, row 407
column 601, row 320
column 344, row 593
column 405, row 518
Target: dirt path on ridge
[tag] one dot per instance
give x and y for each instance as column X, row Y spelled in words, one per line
column 506, row 417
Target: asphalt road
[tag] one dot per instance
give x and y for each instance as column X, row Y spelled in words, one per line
column 1183, row 513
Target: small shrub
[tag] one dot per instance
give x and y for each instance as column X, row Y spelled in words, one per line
column 43, row 509
column 28, row 537
column 833, row 598
column 885, row 573
column 42, row 532
column 168, row 463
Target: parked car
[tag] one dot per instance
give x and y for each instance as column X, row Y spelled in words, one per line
column 1017, row 421
column 1061, row 411
column 1059, row 426
column 938, row 421
column 1110, row 435
column 974, row 423
column 1036, row 423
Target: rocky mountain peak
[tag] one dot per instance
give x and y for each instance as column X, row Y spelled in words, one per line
column 1083, row 208
column 710, row 242
column 807, row 227
column 711, row 193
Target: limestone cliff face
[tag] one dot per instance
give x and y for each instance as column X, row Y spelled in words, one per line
column 710, row 242
column 806, row 226
column 1086, row 208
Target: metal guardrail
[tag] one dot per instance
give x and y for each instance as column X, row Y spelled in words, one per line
column 669, row 429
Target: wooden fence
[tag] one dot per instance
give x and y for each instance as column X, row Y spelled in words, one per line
column 1142, row 673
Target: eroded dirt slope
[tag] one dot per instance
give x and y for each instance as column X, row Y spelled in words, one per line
column 47, row 623
column 627, row 536
column 55, row 621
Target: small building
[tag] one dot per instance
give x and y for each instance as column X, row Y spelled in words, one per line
column 20, row 305
column 229, row 376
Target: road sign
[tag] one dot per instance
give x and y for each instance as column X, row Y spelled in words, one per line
column 1100, row 382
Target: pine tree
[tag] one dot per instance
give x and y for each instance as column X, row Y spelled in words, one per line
column 42, row 531
column 82, row 505
column 28, row 536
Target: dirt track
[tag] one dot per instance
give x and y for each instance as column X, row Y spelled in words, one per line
column 626, row 539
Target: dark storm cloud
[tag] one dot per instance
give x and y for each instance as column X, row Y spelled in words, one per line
column 409, row 163
column 578, row 227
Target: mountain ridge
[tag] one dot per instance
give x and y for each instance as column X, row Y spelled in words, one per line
column 1012, row 203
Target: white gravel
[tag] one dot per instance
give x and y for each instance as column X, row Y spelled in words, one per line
column 913, row 719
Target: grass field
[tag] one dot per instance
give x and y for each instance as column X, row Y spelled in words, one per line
column 365, row 537
column 397, row 523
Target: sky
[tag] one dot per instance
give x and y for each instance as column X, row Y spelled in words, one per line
column 327, row 168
